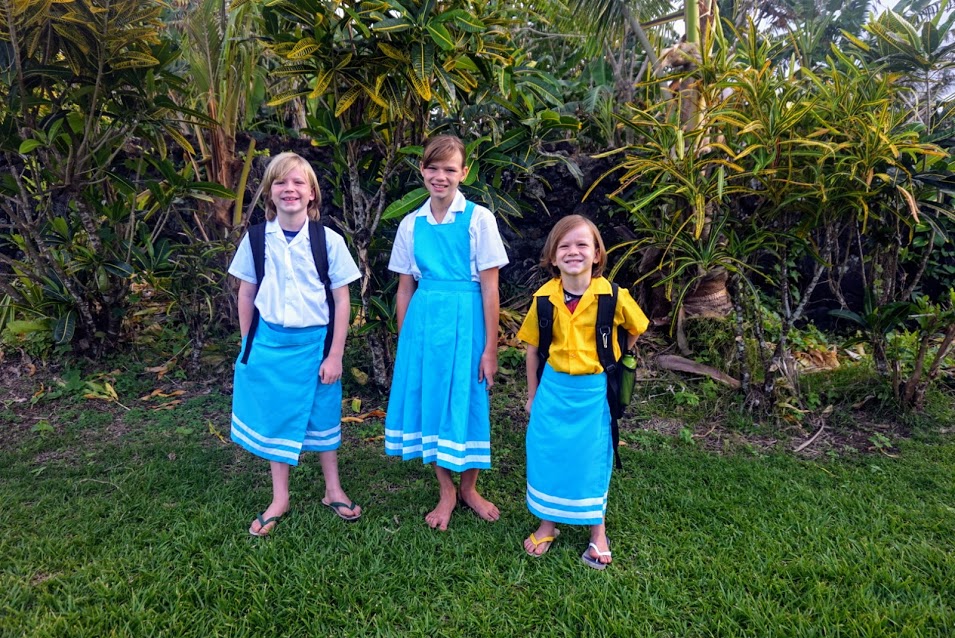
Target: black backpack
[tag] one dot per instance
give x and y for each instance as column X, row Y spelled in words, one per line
column 606, row 307
column 316, row 237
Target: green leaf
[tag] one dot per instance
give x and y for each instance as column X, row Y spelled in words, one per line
column 466, row 20
column 474, row 169
column 441, row 35
column 393, row 52
column 347, row 100
column 303, row 49
column 422, row 61
column 322, row 80
column 28, row 145
column 119, row 269
column 392, row 25
column 848, row 315
column 212, row 188
column 65, row 327
column 411, row 201
column 357, row 133
column 286, row 96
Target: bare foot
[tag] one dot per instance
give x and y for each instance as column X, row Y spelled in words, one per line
column 274, row 509
column 440, row 516
column 540, row 541
column 347, row 513
column 481, row 506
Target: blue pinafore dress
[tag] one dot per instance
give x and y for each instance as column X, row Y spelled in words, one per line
column 437, row 410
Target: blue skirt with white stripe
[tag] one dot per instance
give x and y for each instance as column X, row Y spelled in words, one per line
column 280, row 407
column 437, row 410
column 569, row 449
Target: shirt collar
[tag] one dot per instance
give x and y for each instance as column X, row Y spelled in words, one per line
column 273, row 227
column 458, row 205
column 598, row 286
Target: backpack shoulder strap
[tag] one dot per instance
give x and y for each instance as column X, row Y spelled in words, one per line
column 316, row 238
column 545, row 328
column 606, row 308
column 257, row 244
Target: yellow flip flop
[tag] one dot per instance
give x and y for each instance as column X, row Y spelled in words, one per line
column 536, row 542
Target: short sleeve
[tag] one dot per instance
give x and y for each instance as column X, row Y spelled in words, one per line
column 242, row 266
column 530, row 332
column 342, row 269
column 489, row 247
column 402, row 251
column 631, row 316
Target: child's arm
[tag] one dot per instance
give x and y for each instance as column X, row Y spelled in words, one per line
column 631, row 339
column 246, row 302
column 631, row 317
column 331, row 368
column 532, row 365
column 406, row 288
column 490, row 296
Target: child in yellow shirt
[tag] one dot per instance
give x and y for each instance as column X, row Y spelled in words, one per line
column 569, row 447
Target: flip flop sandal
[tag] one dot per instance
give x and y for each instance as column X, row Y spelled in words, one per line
column 590, row 561
column 265, row 522
column 536, row 542
column 337, row 507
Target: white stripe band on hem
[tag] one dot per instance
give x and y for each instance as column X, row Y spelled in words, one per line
column 569, row 502
column 258, row 437
column 261, row 448
column 537, row 507
column 459, row 460
column 335, row 431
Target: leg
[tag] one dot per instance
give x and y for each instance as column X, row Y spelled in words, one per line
column 280, row 498
column 537, row 544
column 598, row 537
column 440, row 516
column 333, row 487
column 469, row 494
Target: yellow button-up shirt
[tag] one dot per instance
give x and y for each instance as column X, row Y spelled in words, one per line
column 573, row 349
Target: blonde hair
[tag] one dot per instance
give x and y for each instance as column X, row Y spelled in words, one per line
column 443, row 147
column 280, row 166
column 561, row 228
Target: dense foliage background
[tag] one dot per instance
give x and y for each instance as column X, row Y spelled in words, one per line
column 777, row 183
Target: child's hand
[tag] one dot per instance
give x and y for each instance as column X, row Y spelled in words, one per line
column 488, row 368
column 527, row 406
column 331, row 370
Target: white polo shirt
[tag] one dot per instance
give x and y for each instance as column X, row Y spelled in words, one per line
column 487, row 247
column 291, row 294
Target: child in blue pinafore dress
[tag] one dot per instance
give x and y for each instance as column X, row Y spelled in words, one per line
column 286, row 397
column 447, row 255
column 569, row 447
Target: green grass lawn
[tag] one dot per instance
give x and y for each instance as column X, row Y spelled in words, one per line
column 133, row 523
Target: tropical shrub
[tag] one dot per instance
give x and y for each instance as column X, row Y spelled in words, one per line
column 783, row 165
column 85, row 115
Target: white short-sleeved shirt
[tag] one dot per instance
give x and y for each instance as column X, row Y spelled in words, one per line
column 291, row 294
column 487, row 247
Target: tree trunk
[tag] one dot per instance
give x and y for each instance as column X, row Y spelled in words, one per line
column 378, row 341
